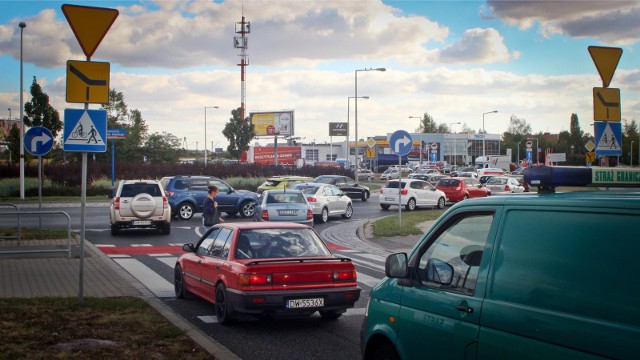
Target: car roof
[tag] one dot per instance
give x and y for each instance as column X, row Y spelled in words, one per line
column 289, row 177
column 264, row 225
column 281, row 191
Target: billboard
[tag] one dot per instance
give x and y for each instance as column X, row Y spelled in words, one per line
column 272, row 123
column 287, row 155
column 338, row 129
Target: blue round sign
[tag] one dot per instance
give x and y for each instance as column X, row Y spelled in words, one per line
column 401, row 142
column 38, row 141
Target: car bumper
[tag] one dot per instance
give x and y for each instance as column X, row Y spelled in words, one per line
column 392, row 200
column 141, row 224
column 275, row 302
column 305, row 222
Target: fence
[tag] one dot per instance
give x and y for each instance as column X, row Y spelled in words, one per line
column 14, row 244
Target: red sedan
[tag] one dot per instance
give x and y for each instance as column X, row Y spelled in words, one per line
column 460, row 188
column 275, row 269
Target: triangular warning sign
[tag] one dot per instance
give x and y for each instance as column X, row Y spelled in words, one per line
column 606, row 60
column 84, row 132
column 608, row 140
column 89, row 24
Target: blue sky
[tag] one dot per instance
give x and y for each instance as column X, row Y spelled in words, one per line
column 451, row 59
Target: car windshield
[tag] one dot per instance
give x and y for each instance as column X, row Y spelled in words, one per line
column 448, row 182
column 497, row 181
column 280, row 243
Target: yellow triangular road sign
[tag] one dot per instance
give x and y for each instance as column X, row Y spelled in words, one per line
column 89, row 24
column 606, row 60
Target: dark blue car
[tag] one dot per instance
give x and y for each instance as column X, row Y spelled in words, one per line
column 186, row 195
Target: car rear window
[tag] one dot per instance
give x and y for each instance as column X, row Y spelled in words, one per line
column 285, row 198
column 270, row 243
column 307, row 189
column 497, row 181
column 448, row 182
column 131, row 190
column 394, row 185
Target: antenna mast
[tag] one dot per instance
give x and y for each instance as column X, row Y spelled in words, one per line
column 241, row 42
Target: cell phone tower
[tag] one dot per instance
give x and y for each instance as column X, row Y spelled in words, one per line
column 241, row 42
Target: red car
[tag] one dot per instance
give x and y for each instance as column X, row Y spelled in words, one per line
column 460, row 188
column 274, row 269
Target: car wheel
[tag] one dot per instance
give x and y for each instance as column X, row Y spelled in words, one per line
column 385, row 206
column 411, row 204
column 385, row 352
column 185, row 211
column 115, row 229
column 166, row 228
column 365, row 196
column 441, row 203
column 178, row 284
column 348, row 213
column 223, row 308
column 330, row 314
column 324, row 216
column 247, row 209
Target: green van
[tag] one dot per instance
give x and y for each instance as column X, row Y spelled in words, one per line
column 524, row 276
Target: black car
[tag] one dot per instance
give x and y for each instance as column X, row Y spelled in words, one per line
column 347, row 185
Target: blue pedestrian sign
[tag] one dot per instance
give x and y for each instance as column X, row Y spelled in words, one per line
column 38, row 141
column 401, row 142
column 608, row 138
column 85, row 130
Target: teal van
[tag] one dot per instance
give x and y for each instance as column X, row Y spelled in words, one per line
column 525, row 276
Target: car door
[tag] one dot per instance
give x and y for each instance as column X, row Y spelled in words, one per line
column 340, row 199
column 440, row 306
column 227, row 198
column 416, row 190
column 350, row 188
column 214, row 263
column 192, row 266
column 431, row 195
column 198, row 192
column 472, row 186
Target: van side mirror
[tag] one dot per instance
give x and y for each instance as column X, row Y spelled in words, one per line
column 395, row 266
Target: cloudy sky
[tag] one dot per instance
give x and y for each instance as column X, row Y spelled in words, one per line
column 451, row 59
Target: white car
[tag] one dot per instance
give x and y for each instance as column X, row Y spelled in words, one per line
column 326, row 200
column 389, row 174
column 413, row 193
column 140, row 204
column 424, row 172
column 503, row 185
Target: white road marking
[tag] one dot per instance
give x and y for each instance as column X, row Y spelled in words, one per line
column 149, row 278
column 370, row 281
column 169, row 261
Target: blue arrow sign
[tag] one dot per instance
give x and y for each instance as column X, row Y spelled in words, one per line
column 85, row 130
column 608, row 138
column 401, row 142
column 38, row 141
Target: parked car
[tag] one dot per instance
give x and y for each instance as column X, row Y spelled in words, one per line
column 282, row 182
column 484, row 178
column 365, row 174
column 140, row 204
column 266, row 269
column 423, row 172
column 284, row 205
column 469, row 174
column 461, row 188
column 186, row 196
column 503, row 185
column 413, row 193
column 347, row 185
column 326, row 200
column 389, row 174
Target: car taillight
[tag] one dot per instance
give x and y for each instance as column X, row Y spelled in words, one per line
column 311, row 199
column 169, row 193
column 116, row 203
column 349, row 275
column 404, row 191
column 265, row 215
column 309, row 214
column 381, row 191
column 255, row 279
column 458, row 188
column 506, row 188
column 165, row 202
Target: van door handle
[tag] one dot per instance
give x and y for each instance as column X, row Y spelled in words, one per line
column 464, row 308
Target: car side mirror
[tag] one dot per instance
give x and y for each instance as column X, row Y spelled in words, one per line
column 189, row 248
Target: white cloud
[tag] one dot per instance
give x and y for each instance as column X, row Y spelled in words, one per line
column 477, row 46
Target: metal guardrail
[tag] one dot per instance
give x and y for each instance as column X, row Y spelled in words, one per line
column 26, row 249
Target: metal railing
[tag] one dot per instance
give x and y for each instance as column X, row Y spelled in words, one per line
column 34, row 246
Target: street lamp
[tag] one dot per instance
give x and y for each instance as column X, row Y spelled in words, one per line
column 22, row 25
column 356, row 113
column 455, row 155
column 205, row 132
column 420, row 123
column 348, row 99
column 484, row 135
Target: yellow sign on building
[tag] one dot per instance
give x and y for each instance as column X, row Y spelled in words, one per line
column 88, row 82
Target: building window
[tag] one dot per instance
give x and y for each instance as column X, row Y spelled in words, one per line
column 311, row 155
column 331, row 157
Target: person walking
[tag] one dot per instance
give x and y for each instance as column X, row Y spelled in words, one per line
column 211, row 215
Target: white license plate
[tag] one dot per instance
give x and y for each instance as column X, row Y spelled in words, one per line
column 141, row 222
column 390, row 199
column 287, row 212
column 305, row 303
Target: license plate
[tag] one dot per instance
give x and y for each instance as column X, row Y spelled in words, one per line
column 305, row 303
column 141, row 222
column 390, row 199
column 287, row 212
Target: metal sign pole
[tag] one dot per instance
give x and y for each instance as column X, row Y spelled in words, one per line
column 400, row 191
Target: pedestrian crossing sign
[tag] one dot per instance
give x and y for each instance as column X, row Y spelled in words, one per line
column 608, row 138
column 85, row 130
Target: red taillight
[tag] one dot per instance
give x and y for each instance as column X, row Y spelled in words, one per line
column 309, row 214
column 169, row 193
column 165, row 202
column 265, row 215
column 116, row 203
column 350, row 296
column 404, row 192
column 311, row 199
column 506, row 188
column 255, row 279
column 381, row 191
column 349, row 275
column 259, row 300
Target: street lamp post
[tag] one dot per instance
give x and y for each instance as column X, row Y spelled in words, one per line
column 205, row 132
column 356, row 114
column 22, row 25
column 420, row 123
column 631, row 151
column 518, row 152
column 347, row 141
column 455, row 155
column 484, row 135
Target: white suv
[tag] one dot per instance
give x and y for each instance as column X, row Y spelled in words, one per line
column 140, row 204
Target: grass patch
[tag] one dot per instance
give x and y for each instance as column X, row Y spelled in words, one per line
column 101, row 328
column 34, row 234
column 389, row 226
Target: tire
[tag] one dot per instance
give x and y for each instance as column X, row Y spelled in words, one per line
column 411, row 204
column 441, row 203
column 385, row 206
column 324, row 216
column 365, row 196
column 166, row 228
column 385, row 352
column 178, row 284
column 330, row 314
column 140, row 205
column 185, row 211
column 223, row 308
column 348, row 213
column 247, row 209
column 115, row 229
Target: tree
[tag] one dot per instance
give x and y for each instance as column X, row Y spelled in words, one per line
column 120, row 117
column 576, row 137
column 466, row 129
column 516, row 136
column 518, row 126
column 239, row 133
column 427, row 125
column 162, row 147
column 38, row 112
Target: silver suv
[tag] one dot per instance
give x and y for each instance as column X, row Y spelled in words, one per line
column 140, row 204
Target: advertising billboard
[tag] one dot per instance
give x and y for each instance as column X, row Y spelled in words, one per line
column 272, row 123
column 287, row 155
column 338, row 129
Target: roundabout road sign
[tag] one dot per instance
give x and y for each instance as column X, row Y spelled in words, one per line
column 400, row 142
column 38, row 141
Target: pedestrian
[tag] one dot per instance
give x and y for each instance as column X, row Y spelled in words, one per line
column 211, row 215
